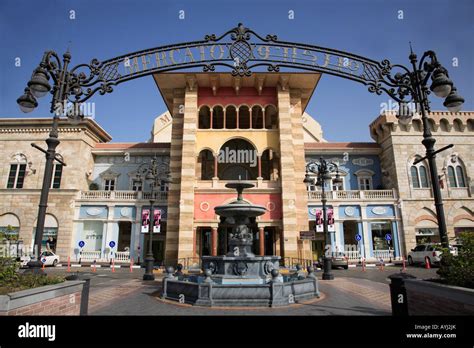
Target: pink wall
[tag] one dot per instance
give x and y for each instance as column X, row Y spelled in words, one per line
column 203, row 211
column 247, row 95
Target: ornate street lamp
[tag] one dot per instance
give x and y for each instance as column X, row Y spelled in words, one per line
column 414, row 85
column 156, row 174
column 323, row 171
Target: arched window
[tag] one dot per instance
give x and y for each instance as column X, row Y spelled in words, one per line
column 237, row 160
column 204, row 117
column 217, row 117
column 270, row 165
column 456, row 175
column 444, row 125
column 470, row 125
column 50, row 233
column 231, row 117
column 417, row 125
column 244, row 117
column 419, row 175
column 457, row 125
column 271, row 117
column 415, row 179
column 206, row 165
column 257, row 117
column 9, row 226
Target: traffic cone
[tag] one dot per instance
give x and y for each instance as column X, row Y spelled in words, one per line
column 113, row 265
column 427, row 263
column 404, row 269
column 69, row 263
column 381, row 265
column 42, row 267
column 93, row 267
column 131, row 265
column 363, row 264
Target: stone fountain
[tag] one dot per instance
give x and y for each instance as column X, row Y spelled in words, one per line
column 239, row 278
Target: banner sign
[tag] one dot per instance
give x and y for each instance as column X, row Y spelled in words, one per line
column 319, row 221
column 157, row 221
column 309, row 235
column 331, row 225
column 145, row 220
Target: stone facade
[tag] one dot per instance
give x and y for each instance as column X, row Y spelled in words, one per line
column 402, row 143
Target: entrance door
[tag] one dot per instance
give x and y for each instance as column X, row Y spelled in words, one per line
column 125, row 232
column 269, row 243
column 204, row 235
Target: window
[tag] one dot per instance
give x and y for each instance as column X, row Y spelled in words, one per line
column 109, row 185
column 456, row 176
column 379, row 232
column 426, row 235
column 16, row 177
column 364, row 179
column 137, row 185
column 337, row 186
column 419, row 176
column 57, row 174
column 365, row 183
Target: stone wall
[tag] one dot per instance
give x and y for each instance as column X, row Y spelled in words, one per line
column 400, row 144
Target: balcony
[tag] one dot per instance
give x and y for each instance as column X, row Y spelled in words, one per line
column 369, row 195
column 127, row 196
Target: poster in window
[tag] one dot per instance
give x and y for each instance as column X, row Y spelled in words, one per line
column 145, row 220
column 157, row 221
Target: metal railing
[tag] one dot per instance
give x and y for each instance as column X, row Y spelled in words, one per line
column 352, row 254
column 90, row 255
column 291, row 262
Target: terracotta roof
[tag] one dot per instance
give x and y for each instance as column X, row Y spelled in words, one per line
column 117, row 146
column 349, row 145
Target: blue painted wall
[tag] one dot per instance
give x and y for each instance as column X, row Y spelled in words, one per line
column 350, row 180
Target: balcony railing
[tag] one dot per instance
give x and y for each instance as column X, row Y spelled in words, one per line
column 353, row 195
column 160, row 196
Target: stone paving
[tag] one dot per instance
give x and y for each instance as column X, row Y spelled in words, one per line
column 342, row 296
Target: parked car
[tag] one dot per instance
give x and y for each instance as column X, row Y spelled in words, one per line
column 338, row 259
column 427, row 253
column 51, row 259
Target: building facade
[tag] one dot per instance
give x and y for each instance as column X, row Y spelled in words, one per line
column 220, row 128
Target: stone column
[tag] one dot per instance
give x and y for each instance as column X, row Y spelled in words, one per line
column 179, row 236
column 214, row 241
column 261, row 236
column 194, row 242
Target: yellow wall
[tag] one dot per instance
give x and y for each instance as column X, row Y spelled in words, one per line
column 213, row 139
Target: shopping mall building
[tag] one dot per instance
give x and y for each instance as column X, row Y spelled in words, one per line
column 218, row 128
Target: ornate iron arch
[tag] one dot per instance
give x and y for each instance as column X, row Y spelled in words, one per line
column 242, row 51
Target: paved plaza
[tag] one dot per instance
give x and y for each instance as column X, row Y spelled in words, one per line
column 352, row 292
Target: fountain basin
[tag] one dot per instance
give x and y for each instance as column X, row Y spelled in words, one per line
column 209, row 294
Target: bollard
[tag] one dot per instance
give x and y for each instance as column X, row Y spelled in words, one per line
column 398, row 293
column 42, row 267
column 69, row 263
column 85, row 297
column 404, row 269
column 93, row 266
column 381, row 265
column 113, row 265
column 131, row 265
column 363, row 264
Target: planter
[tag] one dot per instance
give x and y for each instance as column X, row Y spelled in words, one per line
column 430, row 298
column 58, row 299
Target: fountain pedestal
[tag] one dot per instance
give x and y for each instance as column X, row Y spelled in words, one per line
column 240, row 278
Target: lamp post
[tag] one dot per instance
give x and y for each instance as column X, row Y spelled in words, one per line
column 51, row 66
column 323, row 171
column 153, row 173
column 414, row 83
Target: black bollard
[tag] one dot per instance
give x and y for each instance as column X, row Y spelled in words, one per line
column 398, row 293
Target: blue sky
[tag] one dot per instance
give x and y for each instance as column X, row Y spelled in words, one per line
column 105, row 29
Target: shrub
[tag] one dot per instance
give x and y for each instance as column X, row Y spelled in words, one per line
column 459, row 270
column 11, row 280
